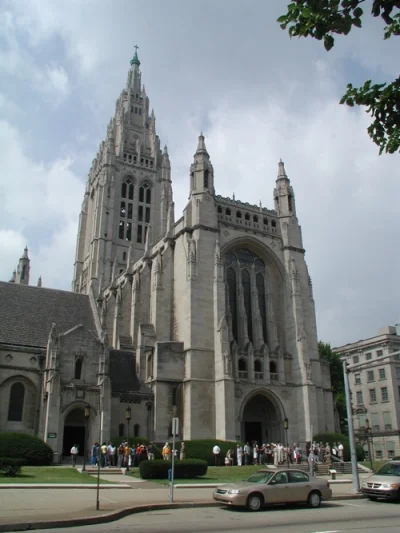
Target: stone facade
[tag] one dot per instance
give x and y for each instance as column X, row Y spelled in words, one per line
column 209, row 318
column 374, row 382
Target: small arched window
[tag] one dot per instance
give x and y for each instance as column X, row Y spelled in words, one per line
column 273, row 223
column 272, row 367
column 219, row 209
column 238, row 214
column 255, row 218
column 16, row 404
column 228, row 212
column 136, row 428
column 247, row 216
column 266, row 221
column 206, row 174
column 78, row 368
column 257, row 366
column 242, row 365
column 121, row 430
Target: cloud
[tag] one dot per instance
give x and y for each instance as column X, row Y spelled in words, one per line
column 40, row 207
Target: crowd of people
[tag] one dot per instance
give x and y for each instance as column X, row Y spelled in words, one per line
column 124, row 455
column 277, row 454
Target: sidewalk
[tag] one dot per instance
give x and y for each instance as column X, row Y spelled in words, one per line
column 24, row 508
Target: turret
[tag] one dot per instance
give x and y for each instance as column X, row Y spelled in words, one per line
column 134, row 75
column 22, row 276
column 283, row 193
column 201, row 171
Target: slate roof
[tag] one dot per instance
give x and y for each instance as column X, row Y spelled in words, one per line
column 122, row 372
column 27, row 313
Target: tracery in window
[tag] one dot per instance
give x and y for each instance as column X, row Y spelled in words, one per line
column 231, row 281
column 126, row 209
column 144, row 212
column 16, row 403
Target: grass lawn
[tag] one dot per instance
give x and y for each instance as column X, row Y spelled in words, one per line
column 49, row 474
column 215, row 474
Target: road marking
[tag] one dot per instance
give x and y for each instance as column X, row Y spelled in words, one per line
column 333, row 531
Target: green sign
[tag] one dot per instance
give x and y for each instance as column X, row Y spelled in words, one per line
column 51, row 435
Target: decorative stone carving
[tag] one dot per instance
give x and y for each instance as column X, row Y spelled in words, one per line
column 238, row 392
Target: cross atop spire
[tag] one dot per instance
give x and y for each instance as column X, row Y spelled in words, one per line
column 135, row 58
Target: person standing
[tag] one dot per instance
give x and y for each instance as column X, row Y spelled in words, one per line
column 74, row 454
column 216, row 453
column 239, row 455
column 247, row 454
column 150, row 452
column 166, row 452
column 341, row 451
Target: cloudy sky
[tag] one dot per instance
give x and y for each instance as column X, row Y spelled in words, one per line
column 223, row 67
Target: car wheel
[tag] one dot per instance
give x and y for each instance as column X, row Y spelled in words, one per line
column 255, row 502
column 314, row 499
column 372, row 498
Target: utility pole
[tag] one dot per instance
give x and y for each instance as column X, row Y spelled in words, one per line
column 354, row 465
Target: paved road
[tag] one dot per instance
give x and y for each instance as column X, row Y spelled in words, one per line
column 352, row 516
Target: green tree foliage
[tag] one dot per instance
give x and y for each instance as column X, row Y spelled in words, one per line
column 333, row 438
column 337, row 381
column 321, row 19
column 23, row 446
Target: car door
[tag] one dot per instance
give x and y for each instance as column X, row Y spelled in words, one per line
column 278, row 489
column 300, row 486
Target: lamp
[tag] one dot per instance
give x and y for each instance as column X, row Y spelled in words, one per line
column 86, row 414
column 286, row 427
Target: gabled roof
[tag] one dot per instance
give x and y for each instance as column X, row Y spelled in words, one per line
column 27, row 313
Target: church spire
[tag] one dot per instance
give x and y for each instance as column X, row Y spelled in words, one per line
column 201, row 171
column 134, row 76
column 22, row 276
column 201, row 145
column 281, row 170
column 135, row 58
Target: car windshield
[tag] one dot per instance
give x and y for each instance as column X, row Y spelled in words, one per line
column 389, row 470
column 260, row 477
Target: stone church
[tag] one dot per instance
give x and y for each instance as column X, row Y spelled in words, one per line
column 209, row 318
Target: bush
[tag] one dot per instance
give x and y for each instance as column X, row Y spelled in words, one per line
column 10, row 466
column 23, row 446
column 338, row 437
column 137, row 440
column 202, row 449
column 186, row 469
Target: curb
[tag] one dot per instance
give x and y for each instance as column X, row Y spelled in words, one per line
column 17, row 486
column 122, row 513
column 101, row 519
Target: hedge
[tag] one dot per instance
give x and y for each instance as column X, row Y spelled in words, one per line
column 23, row 446
column 203, row 449
column 158, row 469
column 11, row 466
column 338, row 437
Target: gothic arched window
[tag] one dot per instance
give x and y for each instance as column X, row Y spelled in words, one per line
column 16, row 404
column 121, row 430
column 231, row 281
column 126, row 210
column 245, row 273
column 206, row 173
column 257, row 365
column 78, row 368
column 143, row 211
column 247, row 302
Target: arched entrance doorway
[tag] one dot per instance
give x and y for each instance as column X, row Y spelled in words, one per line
column 74, row 431
column 261, row 420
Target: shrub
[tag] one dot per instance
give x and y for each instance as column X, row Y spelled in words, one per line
column 23, row 446
column 338, row 437
column 158, row 469
column 10, row 466
column 137, row 440
column 202, row 449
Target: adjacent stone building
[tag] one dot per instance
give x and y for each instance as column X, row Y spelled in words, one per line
column 209, row 318
column 375, row 388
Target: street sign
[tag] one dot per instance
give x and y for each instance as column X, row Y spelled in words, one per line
column 51, row 435
column 175, row 426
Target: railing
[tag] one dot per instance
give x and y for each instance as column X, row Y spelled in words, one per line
column 259, row 375
column 243, row 374
column 274, row 376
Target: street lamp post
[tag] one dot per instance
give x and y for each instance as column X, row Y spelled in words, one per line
column 128, row 418
column 286, row 427
column 367, row 432
column 86, row 414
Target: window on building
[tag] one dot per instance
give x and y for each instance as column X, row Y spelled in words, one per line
column 123, row 256
column 231, row 282
column 78, row 368
column 378, row 451
column 262, row 304
column 206, row 174
column 273, row 223
column 238, row 214
column 228, row 212
column 242, row 367
column 387, row 420
column 384, row 394
column 257, row 365
column 357, row 379
column 372, row 395
column 126, row 209
column 23, row 272
column 370, row 375
column 356, row 359
column 359, row 398
column 265, row 221
column 375, row 421
column 16, row 402
column 290, row 203
column 361, row 421
column 219, row 209
column 390, row 447
column 247, row 216
column 121, row 430
column 136, row 428
column 382, row 373
column 379, row 353
column 398, row 372
column 143, row 211
column 247, row 302
column 368, row 356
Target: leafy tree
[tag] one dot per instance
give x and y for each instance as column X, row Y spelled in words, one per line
column 337, row 381
column 321, row 19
